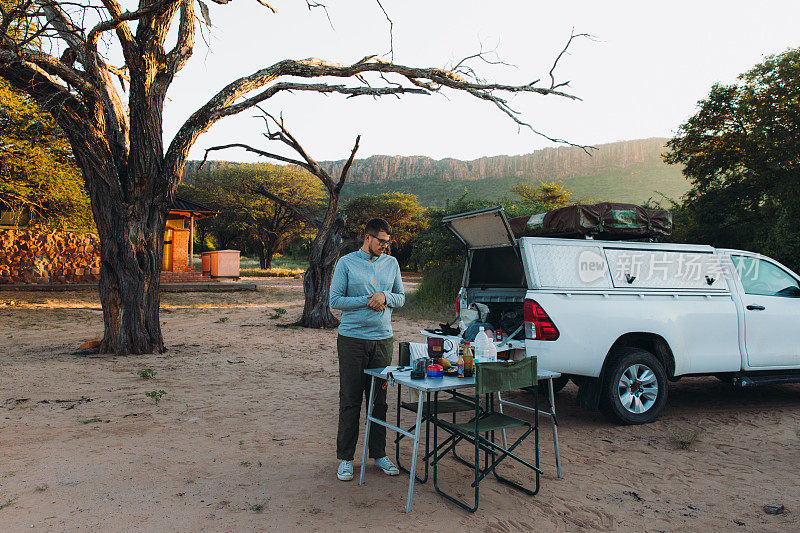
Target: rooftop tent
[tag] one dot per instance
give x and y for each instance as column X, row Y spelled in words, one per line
column 604, row 220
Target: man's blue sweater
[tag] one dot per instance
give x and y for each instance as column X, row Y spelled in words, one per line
column 356, row 277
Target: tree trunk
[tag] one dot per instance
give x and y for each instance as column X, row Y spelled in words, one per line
column 269, row 251
column 317, row 281
column 263, row 263
column 131, row 253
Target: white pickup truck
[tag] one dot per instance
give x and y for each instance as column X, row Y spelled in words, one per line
column 622, row 319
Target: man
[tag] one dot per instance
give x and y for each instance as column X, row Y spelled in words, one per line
column 366, row 286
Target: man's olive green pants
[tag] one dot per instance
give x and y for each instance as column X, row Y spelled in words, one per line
column 356, row 355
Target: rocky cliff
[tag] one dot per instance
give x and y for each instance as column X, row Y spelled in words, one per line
column 626, row 171
column 546, row 164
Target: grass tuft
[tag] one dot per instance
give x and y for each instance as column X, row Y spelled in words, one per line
column 7, row 503
column 277, row 313
column 683, row 437
column 156, row 395
column 147, row 373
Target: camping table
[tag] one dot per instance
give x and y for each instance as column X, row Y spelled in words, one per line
column 505, row 346
column 426, row 386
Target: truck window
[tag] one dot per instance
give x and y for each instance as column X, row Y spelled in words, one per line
column 496, row 267
column 763, row 278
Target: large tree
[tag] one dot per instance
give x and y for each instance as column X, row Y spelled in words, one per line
column 741, row 151
column 49, row 49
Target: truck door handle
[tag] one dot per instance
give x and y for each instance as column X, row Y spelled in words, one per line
column 755, row 307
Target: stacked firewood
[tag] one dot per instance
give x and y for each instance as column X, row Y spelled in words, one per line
column 28, row 256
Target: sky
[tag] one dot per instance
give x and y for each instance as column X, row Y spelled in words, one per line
column 640, row 76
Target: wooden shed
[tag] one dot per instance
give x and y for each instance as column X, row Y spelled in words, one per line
column 179, row 234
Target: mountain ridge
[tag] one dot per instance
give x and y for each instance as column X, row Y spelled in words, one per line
column 628, row 171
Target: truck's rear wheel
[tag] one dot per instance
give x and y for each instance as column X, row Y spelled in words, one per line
column 635, row 387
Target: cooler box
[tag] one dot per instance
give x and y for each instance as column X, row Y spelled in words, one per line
column 223, row 264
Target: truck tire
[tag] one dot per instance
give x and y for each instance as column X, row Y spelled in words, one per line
column 634, row 389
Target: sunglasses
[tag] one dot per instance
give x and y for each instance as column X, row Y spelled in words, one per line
column 383, row 242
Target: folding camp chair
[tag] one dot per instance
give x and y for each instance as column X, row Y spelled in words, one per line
column 456, row 403
column 491, row 378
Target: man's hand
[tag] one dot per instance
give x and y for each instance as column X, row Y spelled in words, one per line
column 377, row 301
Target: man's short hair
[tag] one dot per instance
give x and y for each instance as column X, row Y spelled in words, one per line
column 376, row 225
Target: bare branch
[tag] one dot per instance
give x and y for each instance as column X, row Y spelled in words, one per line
column 67, row 30
column 182, row 51
column 390, row 53
column 311, row 5
column 255, row 151
column 129, row 47
column 482, row 55
column 572, row 37
column 53, row 66
column 262, row 2
column 118, row 20
column 286, row 137
column 318, row 88
column 346, row 167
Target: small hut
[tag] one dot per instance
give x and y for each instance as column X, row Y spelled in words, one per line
column 179, row 234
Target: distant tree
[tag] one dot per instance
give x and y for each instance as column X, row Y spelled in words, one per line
column 544, row 195
column 39, row 181
column 402, row 210
column 740, row 152
column 247, row 217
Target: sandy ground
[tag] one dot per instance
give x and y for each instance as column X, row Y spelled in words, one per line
column 244, row 437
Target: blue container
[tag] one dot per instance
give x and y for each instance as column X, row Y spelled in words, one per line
column 435, row 371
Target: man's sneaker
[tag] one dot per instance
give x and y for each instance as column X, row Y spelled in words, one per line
column 387, row 466
column 345, row 471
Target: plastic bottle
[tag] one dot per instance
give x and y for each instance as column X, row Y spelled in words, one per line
column 485, row 350
column 492, row 351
